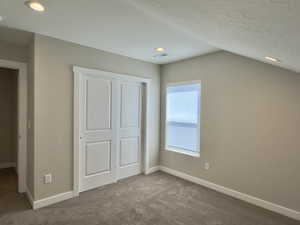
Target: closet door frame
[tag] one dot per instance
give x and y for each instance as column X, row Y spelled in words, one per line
column 78, row 92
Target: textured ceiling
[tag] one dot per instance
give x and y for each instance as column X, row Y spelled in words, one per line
column 253, row 28
column 115, row 26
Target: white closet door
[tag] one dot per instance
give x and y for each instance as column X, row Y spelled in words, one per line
column 129, row 151
column 98, row 132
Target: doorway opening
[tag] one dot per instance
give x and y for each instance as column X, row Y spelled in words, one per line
column 8, row 131
column 13, row 129
column 10, row 160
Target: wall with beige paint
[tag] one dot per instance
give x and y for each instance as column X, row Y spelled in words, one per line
column 53, row 106
column 8, row 115
column 250, row 126
column 13, row 52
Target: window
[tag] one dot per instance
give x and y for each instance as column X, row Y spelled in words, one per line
column 183, row 118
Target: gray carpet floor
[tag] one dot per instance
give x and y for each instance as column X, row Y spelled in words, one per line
column 157, row 199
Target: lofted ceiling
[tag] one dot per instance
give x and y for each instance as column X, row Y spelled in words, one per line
column 252, row 28
column 134, row 28
column 115, row 26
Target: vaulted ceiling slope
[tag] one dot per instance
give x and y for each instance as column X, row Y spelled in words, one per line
column 115, row 26
column 134, row 28
column 253, row 28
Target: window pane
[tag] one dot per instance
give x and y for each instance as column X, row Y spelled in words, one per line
column 182, row 117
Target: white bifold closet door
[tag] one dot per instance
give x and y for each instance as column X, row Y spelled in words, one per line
column 111, row 112
column 130, row 129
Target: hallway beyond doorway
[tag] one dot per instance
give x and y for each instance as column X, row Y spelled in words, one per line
column 10, row 200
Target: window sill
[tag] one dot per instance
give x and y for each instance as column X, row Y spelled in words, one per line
column 184, row 152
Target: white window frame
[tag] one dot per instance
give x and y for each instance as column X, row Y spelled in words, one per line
column 180, row 150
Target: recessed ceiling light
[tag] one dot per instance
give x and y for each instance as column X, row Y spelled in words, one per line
column 160, row 49
column 35, row 5
column 272, row 59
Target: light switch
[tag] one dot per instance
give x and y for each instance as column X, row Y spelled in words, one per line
column 206, row 165
column 48, row 178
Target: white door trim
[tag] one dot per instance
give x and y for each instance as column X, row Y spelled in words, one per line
column 22, row 119
column 78, row 73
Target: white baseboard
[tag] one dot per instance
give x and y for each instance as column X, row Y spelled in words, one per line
column 52, row 199
column 64, row 196
column 247, row 198
column 152, row 170
column 7, row 165
column 48, row 201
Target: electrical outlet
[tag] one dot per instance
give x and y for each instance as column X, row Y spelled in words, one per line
column 206, row 165
column 48, row 178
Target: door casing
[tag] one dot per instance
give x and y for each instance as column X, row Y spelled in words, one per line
column 78, row 75
column 22, row 120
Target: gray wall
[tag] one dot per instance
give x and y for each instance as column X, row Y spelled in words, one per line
column 250, row 126
column 13, row 52
column 53, row 106
column 8, row 115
